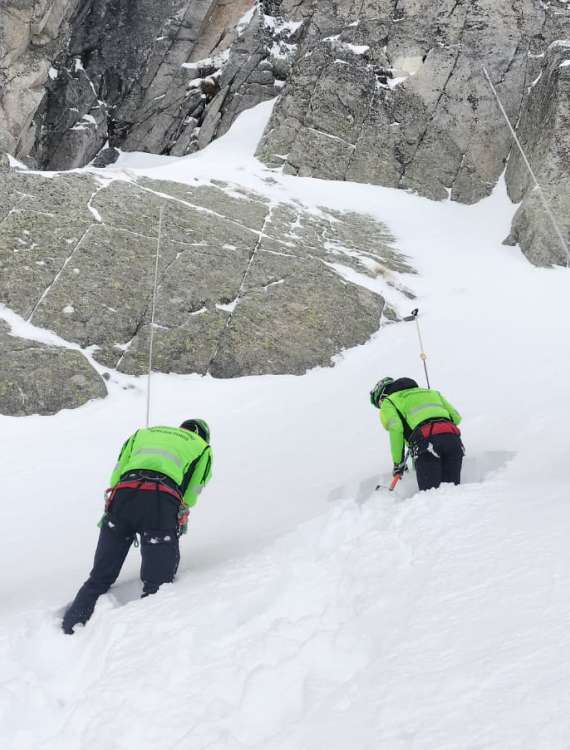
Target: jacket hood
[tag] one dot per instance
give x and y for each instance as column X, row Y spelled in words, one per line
column 401, row 384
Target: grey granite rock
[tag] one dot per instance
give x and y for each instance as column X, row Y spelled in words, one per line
column 138, row 74
column 5, row 165
column 544, row 132
column 240, row 278
column 293, row 315
column 383, row 91
column 32, row 33
column 40, row 379
column 392, row 92
column 106, row 157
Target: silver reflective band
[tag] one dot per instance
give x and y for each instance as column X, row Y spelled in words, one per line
column 197, row 488
column 159, row 452
column 423, row 407
column 393, row 422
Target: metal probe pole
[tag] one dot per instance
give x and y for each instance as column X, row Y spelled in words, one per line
column 423, row 356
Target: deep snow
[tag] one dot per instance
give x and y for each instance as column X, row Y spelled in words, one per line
column 310, row 611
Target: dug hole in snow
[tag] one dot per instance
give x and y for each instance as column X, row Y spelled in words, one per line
column 311, row 611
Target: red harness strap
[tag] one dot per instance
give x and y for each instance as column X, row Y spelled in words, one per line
column 439, row 428
column 150, row 486
column 147, row 486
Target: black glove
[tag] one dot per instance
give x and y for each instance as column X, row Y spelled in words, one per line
column 399, row 469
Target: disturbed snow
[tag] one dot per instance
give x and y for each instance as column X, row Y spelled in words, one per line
column 309, row 610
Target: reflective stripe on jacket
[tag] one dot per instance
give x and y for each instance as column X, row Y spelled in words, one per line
column 415, row 405
column 179, row 454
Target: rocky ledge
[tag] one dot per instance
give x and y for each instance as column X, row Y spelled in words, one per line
column 39, row 379
column 246, row 286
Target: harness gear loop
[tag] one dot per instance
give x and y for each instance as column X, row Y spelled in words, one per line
column 149, row 486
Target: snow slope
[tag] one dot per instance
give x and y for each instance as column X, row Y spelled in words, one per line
column 310, row 611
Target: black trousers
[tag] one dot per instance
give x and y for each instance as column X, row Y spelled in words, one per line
column 153, row 515
column 443, row 464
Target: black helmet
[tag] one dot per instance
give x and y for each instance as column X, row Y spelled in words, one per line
column 199, row 426
column 378, row 391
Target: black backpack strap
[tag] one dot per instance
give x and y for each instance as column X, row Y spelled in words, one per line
column 206, row 468
column 190, row 470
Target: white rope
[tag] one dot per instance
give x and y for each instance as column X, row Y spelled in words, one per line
column 155, row 285
column 526, row 161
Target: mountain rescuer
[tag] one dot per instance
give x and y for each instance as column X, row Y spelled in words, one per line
column 157, row 479
column 427, row 422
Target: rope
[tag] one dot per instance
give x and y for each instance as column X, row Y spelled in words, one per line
column 155, row 285
column 530, row 169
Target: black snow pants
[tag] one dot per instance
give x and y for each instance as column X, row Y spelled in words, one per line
column 441, row 463
column 153, row 515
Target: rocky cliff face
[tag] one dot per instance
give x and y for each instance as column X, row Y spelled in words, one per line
column 544, row 131
column 32, row 34
column 383, row 91
column 392, row 92
column 161, row 77
column 127, row 76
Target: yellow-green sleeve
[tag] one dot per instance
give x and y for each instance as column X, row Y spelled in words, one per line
column 453, row 413
column 200, row 478
column 392, row 422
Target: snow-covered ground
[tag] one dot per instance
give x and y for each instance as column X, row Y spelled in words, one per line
column 310, row 611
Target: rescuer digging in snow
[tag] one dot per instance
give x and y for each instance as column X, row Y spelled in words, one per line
column 157, row 479
column 424, row 420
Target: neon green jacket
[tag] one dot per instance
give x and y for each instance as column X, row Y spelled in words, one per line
column 179, row 454
column 416, row 405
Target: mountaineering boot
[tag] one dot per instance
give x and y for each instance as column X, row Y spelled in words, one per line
column 78, row 614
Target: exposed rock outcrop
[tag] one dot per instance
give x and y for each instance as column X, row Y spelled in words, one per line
column 544, row 132
column 388, row 92
column 391, row 92
column 246, row 286
column 40, row 379
column 32, row 33
column 160, row 77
